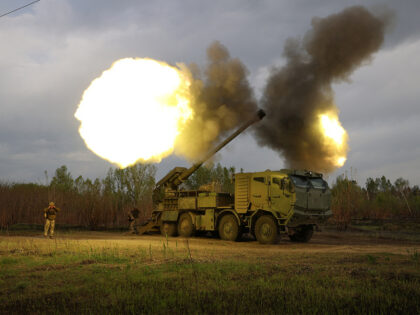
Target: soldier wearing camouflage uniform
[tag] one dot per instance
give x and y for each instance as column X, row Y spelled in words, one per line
column 49, row 215
column 133, row 215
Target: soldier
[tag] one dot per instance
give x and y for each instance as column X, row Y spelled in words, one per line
column 49, row 215
column 133, row 215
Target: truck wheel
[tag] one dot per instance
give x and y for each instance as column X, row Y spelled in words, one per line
column 266, row 230
column 228, row 228
column 185, row 225
column 303, row 234
column 168, row 228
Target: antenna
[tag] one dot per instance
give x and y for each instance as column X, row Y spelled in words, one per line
column 27, row 5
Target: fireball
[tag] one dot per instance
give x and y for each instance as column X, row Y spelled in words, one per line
column 134, row 111
column 335, row 137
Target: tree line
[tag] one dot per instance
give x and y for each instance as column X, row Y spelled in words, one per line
column 378, row 199
column 104, row 203
column 99, row 203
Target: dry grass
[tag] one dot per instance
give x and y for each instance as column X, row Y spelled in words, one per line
column 100, row 272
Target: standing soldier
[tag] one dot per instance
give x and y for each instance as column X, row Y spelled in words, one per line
column 49, row 215
column 133, row 215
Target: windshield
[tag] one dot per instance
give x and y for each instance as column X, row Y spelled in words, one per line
column 318, row 183
column 304, row 182
column 300, row 181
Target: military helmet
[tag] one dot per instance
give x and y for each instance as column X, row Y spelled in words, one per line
column 52, row 203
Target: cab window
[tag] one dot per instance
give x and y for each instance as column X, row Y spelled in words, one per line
column 259, row 179
column 277, row 180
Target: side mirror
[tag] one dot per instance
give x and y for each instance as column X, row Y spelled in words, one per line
column 291, row 187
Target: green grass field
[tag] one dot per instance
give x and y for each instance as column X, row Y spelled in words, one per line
column 78, row 273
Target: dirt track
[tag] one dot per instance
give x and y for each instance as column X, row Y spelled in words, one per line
column 320, row 243
column 206, row 247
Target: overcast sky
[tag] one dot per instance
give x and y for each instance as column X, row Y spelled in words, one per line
column 52, row 50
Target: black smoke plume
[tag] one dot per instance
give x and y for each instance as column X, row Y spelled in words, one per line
column 297, row 93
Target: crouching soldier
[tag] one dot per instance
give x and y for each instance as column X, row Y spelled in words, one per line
column 133, row 216
column 49, row 215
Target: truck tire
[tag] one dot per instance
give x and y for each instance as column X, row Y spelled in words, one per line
column 303, row 234
column 168, row 228
column 266, row 230
column 229, row 229
column 185, row 225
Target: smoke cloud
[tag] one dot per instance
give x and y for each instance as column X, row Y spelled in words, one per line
column 297, row 93
column 294, row 97
column 222, row 99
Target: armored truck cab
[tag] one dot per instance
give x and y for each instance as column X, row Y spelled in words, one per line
column 297, row 200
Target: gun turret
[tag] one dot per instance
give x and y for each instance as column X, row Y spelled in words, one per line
column 180, row 174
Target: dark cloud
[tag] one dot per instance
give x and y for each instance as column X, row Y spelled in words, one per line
column 54, row 49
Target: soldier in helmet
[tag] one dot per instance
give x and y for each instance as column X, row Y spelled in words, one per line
column 133, row 216
column 49, row 215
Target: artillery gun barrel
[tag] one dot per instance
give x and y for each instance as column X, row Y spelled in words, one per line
column 187, row 173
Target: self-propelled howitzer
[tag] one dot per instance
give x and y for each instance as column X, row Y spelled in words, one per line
column 264, row 204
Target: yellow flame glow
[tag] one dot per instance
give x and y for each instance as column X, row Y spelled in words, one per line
column 335, row 138
column 134, row 111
